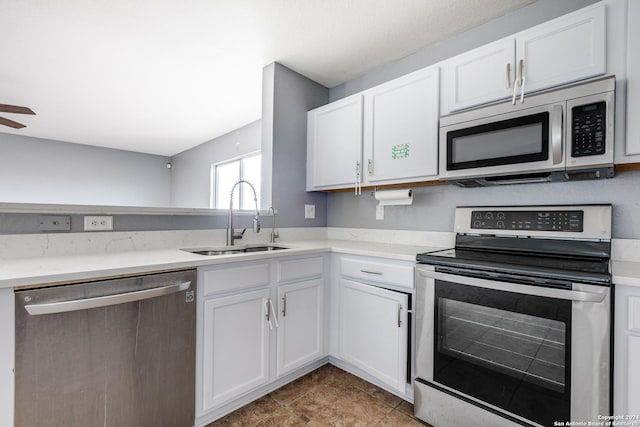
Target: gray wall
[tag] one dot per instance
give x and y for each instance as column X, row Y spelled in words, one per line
column 433, row 207
column 191, row 169
column 518, row 20
column 34, row 170
column 287, row 96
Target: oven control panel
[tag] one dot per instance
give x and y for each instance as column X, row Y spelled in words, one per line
column 572, row 221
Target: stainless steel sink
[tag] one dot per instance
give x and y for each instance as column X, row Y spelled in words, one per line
column 228, row 250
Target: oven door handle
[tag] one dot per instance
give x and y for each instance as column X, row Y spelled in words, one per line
column 565, row 294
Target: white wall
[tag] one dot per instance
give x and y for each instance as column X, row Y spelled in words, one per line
column 35, row 170
column 191, row 169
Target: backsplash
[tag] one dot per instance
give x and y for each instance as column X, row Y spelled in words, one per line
column 51, row 245
column 433, row 207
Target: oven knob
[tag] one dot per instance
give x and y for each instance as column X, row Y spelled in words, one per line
column 500, row 215
column 477, row 215
column 477, row 224
column 489, row 215
column 500, row 224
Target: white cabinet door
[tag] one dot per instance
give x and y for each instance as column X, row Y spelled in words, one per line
column 334, row 144
column 566, row 49
column 633, row 80
column 626, row 369
column 373, row 331
column 401, row 128
column 236, row 346
column 481, row 75
column 300, row 331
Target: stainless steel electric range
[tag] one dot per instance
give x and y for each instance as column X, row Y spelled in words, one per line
column 514, row 323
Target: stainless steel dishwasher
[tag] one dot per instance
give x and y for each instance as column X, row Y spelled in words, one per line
column 108, row 353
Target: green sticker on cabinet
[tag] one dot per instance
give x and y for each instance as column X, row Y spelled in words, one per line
column 400, row 151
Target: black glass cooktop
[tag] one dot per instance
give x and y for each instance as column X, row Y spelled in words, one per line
column 535, row 260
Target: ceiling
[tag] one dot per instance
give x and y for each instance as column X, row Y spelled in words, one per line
column 162, row 76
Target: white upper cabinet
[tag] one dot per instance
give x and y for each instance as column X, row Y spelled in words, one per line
column 400, row 142
column 401, row 129
column 482, row 75
column 566, row 49
column 632, row 146
column 569, row 48
column 334, row 144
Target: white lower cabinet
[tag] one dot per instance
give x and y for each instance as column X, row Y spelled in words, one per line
column 257, row 322
column 236, row 346
column 626, row 388
column 373, row 331
column 300, row 324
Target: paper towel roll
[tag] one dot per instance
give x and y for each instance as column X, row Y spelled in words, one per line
column 394, row 197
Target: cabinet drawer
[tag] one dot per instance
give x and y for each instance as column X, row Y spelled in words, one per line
column 378, row 271
column 236, row 278
column 299, row 269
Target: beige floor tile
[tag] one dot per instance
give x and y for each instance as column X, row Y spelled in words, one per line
column 325, row 397
column 405, row 407
column 397, row 419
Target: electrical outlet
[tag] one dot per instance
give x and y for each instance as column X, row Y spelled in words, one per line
column 379, row 213
column 98, row 223
column 309, row 211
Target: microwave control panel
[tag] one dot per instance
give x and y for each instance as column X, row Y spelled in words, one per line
column 528, row 220
column 587, row 129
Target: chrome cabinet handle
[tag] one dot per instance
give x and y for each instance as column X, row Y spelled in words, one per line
column 556, row 134
column 87, row 303
column 358, row 189
column 371, row 272
column 284, row 305
column 268, row 312
column 508, row 75
column 523, row 79
column 275, row 318
column 515, row 91
column 399, row 315
column 370, row 167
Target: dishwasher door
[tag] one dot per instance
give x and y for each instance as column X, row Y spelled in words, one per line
column 109, row 353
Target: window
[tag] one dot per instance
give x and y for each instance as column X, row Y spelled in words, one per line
column 225, row 175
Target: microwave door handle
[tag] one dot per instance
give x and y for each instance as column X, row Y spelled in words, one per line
column 556, row 134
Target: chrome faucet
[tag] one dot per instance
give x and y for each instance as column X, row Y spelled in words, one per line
column 232, row 235
column 274, row 232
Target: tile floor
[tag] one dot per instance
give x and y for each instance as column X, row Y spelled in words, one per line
column 327, row 396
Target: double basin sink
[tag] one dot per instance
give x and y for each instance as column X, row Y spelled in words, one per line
column 229, row 250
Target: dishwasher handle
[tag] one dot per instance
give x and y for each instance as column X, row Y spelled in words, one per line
column 95, row 302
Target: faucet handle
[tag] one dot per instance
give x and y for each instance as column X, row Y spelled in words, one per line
column 238, row 234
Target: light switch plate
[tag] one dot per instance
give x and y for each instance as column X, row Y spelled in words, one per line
column 309, row 211
column 379, row 212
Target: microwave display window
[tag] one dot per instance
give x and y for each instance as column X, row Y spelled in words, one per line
column 519, row 140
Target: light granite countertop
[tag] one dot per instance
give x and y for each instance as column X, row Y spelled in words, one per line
column 29, row 271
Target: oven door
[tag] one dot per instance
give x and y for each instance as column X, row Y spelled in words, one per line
column 528, row 353
column 526, row 141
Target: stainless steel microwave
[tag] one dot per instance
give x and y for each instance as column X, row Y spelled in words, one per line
column 562, row 134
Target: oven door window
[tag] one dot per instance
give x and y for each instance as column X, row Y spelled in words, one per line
column 518, row 140
column 506, row 349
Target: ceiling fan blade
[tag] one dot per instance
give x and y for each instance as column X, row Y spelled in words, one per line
column 11, row 123
column 15, row 109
